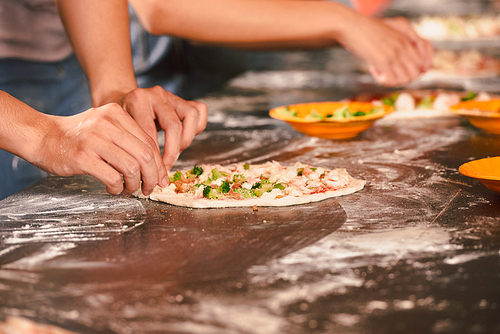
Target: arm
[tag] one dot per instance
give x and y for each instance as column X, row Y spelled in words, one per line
column 241, row 23
column 104, row 142
column 99, row 32
column 395, row 56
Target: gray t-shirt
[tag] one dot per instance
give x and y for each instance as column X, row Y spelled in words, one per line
column 32, row 30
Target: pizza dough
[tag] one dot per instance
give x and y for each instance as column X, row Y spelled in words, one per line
column 422, row 103
column 239, row 185
column 463, row 63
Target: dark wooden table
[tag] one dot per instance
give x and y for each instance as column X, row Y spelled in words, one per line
column 416, row 251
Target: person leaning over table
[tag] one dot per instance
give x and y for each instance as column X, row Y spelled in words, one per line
column 395, row 53
column 37, row 66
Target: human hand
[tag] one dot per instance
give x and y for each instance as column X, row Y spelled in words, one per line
column 155, row 108
column 424, row 47
column 103, row 142
column 395, row 53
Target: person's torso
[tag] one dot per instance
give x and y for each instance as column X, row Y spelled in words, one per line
column 32, row 30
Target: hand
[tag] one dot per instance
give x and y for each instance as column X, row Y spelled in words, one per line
column 155, row 108
column 395, row 53
column 103, row 142
column 424, row 47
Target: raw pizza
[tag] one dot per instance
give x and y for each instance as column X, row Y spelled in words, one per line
column 458, row 28
column 463, row 63
column 417, row 103
column 269, row 184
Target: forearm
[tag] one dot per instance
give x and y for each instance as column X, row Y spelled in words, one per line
column 99, row 33
column 246, row 23
column 22, row 128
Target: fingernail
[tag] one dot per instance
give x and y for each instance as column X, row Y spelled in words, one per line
column 165, row 181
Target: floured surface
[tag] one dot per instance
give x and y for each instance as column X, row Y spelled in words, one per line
column 416, row 251
column 89, row 262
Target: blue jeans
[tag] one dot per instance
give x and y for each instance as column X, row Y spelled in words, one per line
column 59, row 88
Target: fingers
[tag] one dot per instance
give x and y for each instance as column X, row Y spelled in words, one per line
column 135, row 161
column 109, row 176
column 109, row 145
column 404, row 68
column 180, row 119
column 426, row 50
column 395, row 53
column 193, row 116
column 172, row 126
column 413, row 55
column 424, row 47
column 203, row 113
column 397, row 70
column 147, row 163
column 140, row 107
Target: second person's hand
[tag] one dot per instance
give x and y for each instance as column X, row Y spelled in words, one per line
column 395, row 53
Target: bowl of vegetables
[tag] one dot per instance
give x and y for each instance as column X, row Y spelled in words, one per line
column 331, row 120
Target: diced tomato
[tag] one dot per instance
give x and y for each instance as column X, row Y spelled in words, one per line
column 307, row 171
column 321, row 189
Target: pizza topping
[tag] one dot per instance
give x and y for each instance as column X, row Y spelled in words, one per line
column 390, row 99
column 211, row 193
column 406, row 101
column 240, row 185
column 195, row 172
column 242, row 181
column 245, row 193
column 279, row 186
column 402, row 101
column 470, row 96
column 176, row 177
column 444, row 101
column 427, row 102
column 322, row 112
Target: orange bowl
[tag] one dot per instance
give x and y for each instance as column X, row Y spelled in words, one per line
column 484, row 115
column 330, row 128
column 486, row 171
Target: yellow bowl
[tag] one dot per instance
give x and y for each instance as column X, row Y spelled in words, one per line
column 327, row 127
column 486, row 171
column 484, row 115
